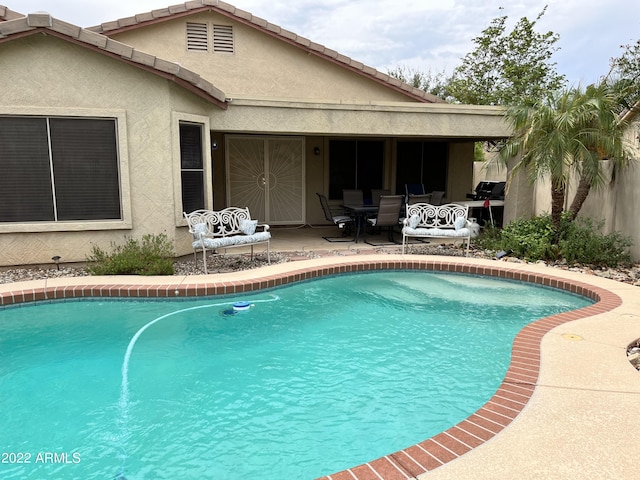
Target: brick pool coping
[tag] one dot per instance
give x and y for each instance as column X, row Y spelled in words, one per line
column 498, row 412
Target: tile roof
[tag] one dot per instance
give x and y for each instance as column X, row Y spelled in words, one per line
column 6, row 14
column 20, row 26
column 223, row 8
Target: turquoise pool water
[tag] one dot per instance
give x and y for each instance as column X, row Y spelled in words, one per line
column 314, row 378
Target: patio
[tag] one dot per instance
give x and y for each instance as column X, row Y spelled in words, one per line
column 578, row 421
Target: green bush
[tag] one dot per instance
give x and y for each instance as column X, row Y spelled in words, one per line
column 580, row 241
column 151, row 256
column 529, row 239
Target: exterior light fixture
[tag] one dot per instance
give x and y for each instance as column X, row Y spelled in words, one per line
column 56, row 258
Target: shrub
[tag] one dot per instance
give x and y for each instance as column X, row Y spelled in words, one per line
column 151, row 256
column 580, row 241
column 529, row 239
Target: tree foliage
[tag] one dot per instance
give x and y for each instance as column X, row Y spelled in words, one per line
column 566, row 135
column 507, row 68
column 624, row 75
column 433, row 83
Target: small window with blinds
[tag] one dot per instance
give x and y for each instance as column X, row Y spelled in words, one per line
column 223, row 39
column 192, row 166
column 197, row 37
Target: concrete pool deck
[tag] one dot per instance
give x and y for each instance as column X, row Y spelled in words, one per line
column 568, row 407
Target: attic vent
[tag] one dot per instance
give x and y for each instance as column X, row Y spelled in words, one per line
column 223, row 38
column 197, row 38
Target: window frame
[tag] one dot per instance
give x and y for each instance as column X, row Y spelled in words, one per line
column 432, row 161
column 178, row 118
column 125, row 222
column 358, row 157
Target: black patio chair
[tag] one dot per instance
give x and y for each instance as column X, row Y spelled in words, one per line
column 388, row 215
column 344, row 222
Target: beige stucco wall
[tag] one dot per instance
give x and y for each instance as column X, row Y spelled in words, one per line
column 260, row 67
column 413, row 120
column 71, row 80
column 460, row 171
column 627, row 193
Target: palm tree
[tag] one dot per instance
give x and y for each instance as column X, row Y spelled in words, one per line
column 568, row 133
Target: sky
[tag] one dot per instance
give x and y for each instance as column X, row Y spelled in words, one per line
column 429, row 36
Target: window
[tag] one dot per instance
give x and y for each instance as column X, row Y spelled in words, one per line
column 191, row 166
column 223, row 38
column 422, row 162
column 355, row 164
column 197, row 37
column 58, row 169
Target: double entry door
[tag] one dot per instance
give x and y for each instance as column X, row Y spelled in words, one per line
column 266, row 174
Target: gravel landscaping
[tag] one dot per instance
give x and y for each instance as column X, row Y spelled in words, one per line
column 235, row 262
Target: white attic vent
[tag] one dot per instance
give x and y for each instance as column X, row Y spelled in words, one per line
column 197, row 38
column 223, row 38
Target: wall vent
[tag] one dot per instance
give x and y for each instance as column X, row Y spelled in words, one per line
column 223, row 38
column 197, row 38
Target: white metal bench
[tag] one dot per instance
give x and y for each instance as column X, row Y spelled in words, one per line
column 450, row 221
column 227, row 228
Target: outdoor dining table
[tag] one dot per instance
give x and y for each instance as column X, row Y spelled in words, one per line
column 360, row 214
column 486, row 203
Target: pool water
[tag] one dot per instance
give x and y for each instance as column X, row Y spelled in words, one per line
column 314, row 378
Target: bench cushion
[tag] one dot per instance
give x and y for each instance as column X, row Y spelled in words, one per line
column 414, row 220
column 436, row 232
column 232, row 240
column 248, row 227
column 459, row 223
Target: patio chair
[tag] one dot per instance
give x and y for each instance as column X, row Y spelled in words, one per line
column 344, row 222
column 414, row 189
column 376, row 193
column 388, row 214
column 426, row 198
column 437, row 197
column 352, row 197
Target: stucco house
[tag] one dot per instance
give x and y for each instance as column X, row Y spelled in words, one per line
column 114, row 130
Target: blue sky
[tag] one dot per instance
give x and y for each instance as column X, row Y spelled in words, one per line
column 424, row 35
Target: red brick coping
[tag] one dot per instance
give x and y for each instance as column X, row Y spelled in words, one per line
column 511, row 397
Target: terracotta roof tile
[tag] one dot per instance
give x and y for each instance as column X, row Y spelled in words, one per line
column 7, row 14
column 39, row 20
column 143, row 58
column 18, row 25
column 35, row 22
column 92, row 38
column 195, row 6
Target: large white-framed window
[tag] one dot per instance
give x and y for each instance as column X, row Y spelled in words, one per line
column 62, row 172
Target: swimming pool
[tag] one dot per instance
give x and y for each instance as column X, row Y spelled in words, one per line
column 181, row 418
